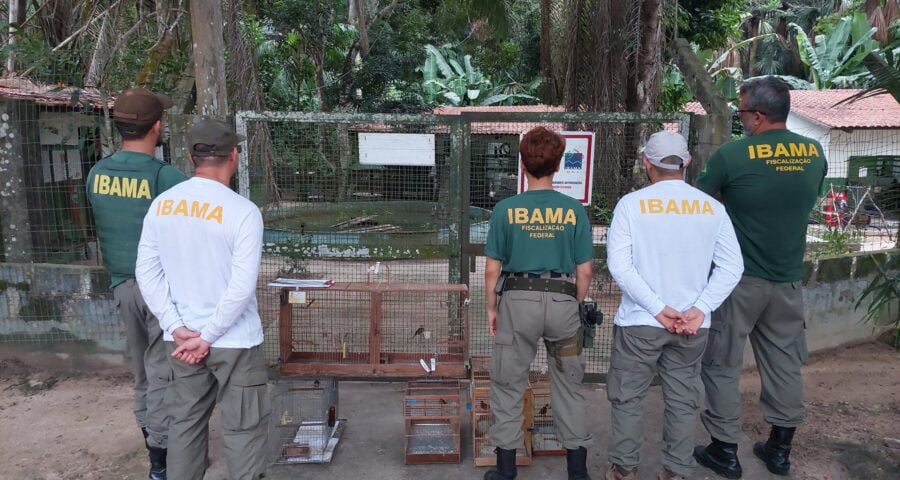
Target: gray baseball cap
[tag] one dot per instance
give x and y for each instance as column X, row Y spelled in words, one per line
column 667, row 144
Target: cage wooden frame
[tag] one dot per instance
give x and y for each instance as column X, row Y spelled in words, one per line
column 480, row 398
column 435, row 403
column 377, row 361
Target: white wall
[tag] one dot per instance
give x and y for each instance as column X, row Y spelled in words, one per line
column 839, row 145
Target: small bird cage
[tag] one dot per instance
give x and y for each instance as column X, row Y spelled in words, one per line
column 375, row 330
column 305, row 424
column 482, row 419
column 431, row 412
column 544, row 441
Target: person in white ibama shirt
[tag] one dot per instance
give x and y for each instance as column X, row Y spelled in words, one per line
column 197, row 267
column 662, row 242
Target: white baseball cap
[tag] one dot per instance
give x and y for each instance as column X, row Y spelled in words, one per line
column 667, row 144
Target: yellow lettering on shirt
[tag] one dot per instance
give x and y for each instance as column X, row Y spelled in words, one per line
column 216, row 215
column 672, row 207
column 190, row 209
column 798, row 149
column 553, row 215
column 813, row 150
column 676, row 207
column 198, row 210
column 791, row 149
column 538, row 216
column 780, row 151
column 521, row 215
column 121, row 186
column 690, row 207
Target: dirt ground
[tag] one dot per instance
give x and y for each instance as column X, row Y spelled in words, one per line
column 64, row 426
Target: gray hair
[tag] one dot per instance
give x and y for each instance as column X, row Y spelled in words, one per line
column 769, row 95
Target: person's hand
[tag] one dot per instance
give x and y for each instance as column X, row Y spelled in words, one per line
column 691, row 320
column 183, row 334
column 192, row 351
column 492, row 321
column 669, row 318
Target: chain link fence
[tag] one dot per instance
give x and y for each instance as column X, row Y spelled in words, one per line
column 407, row 198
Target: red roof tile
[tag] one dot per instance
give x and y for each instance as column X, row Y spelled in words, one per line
column 499, row 109
column 880, row 111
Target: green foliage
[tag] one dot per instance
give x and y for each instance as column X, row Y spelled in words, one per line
column 882, row 295
column 449, row 78
column 835, row 59
column 709, row 23
column 674, row 93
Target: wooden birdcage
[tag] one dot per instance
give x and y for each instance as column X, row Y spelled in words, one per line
column 544, row 440
column 482, row 419
column 374, row 330
column 431, row 413
column 305, row 424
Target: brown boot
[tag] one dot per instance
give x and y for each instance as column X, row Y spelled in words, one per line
column 665, row 474
column 615, row 472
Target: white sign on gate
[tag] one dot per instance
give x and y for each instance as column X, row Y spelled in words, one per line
column 415, row 149
column 576, row 173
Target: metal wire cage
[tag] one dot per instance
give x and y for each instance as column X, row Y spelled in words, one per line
column 483, row 419
column 544, row 441
column 375, row 329
column 431, row 413
column 305, row 425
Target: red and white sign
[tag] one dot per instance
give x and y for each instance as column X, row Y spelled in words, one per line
column 576, row 172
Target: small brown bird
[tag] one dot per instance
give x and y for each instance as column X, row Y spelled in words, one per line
column 419, row 331
column 543, row 411
column 484, row 406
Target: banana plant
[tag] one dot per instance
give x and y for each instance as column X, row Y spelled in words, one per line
column 836, row 59
column 447, row 81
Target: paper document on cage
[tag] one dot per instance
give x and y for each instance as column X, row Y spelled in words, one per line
column 321, row 439
column 300, row 283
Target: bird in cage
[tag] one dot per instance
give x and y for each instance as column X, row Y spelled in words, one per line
column 543, row 411
column 419, row 331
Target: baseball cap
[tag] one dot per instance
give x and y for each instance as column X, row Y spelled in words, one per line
column 212, row 138
column 139, row 106
column 666, row 144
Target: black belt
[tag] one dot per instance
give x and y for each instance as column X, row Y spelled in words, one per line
column 537, row 275
column 540, row 285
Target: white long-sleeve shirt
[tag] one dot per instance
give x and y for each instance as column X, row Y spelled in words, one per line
column 198, row 262
column 662, row 242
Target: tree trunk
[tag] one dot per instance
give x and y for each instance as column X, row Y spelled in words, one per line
column 362, row 20
column 209, row 58
column 17, row 9
column 549, row 87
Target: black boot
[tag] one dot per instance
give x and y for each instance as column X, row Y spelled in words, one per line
column 506, row 466
column 720, row 457
column 777, row 450
column 576, row 464
column 157, row 463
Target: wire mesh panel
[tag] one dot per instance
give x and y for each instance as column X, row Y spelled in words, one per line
column 305, row 424
column 431, row 413
column 494, row 165
column 375, row 329
column 544, row 440
column 483, row 418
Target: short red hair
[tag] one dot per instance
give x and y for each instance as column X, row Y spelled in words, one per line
column 541, row 150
